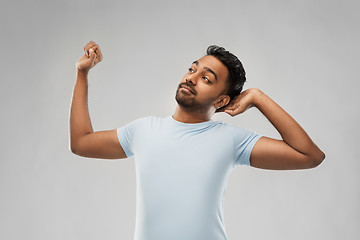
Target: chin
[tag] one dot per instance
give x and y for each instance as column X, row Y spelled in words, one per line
column 184, row 102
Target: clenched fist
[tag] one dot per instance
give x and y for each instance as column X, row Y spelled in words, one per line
column 91, row 57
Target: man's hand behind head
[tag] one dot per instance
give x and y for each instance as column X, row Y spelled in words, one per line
column 91, row 57
column 241, row 102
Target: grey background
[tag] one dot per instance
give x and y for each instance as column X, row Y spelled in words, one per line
column 303, row 54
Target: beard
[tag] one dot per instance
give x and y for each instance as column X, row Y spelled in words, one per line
column 187, row 100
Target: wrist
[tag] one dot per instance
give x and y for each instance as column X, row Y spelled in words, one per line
column 82, row 71
column 82, row 75
column 257, row 96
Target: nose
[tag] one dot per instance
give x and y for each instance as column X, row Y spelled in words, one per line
column 191, row 79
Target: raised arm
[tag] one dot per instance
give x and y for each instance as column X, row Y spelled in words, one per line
column 295, row 151
column 83, row 140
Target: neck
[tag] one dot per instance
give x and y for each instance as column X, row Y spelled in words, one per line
column 182, row 115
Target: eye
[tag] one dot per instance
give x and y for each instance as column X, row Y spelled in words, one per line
column 206, row 79
column 191, row 70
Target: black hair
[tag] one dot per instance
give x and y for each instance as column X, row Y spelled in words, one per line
column 236, row 77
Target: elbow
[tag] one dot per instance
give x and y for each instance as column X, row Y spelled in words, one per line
column 78, row 147
column 73, row 148
column 320, row 158
column 77, row 151
column 317, row 159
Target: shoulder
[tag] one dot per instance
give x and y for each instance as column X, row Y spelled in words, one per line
column 134, row 124
column 143, row 119
column 230, row 127
column 148, row 121
column 238, row 131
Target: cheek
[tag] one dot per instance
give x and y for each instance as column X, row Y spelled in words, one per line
column 208, row 91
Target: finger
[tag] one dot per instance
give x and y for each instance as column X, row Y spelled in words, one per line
column 234, row 110
column 230, row 104
column 88, row 46
column 227, row 107
column 99, row 54
column 93, row 48
column 232, row 107
column 97, row 50
column 230, row 112
column 92, row 56
column 91, row 45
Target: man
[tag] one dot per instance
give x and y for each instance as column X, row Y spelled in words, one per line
column 183, row 161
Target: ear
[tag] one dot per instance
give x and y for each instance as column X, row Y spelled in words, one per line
column 222, row 101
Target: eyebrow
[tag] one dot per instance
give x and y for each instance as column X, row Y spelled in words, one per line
column 207, row 69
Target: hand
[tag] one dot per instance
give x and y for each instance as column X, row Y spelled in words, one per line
column 91, row 57
column 241, row 102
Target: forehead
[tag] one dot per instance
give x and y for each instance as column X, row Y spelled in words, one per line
column 214, row 64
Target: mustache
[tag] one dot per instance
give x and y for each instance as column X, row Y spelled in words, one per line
column 189, row 86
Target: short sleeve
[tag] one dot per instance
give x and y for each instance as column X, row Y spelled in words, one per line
column 244, row 141
column 126, row 135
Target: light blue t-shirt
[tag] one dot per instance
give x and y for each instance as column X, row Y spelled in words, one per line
column 182, row 171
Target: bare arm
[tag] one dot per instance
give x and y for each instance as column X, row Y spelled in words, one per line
column 80, row 123
column 83, row 140
column 295, row 151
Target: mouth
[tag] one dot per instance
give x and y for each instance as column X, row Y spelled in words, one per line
column 187, row 89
